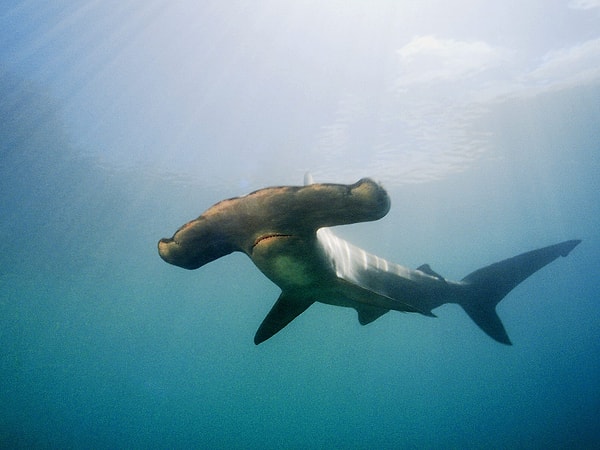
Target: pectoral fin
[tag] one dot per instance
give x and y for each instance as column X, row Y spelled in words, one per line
column 286, row 308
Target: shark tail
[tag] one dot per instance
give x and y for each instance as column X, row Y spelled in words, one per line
column 486, row 287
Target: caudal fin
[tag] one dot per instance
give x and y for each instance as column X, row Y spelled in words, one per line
column 488, row 285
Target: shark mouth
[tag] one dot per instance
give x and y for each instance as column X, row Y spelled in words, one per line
column 267, row 237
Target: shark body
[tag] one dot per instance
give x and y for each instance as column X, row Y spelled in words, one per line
column 284, row 231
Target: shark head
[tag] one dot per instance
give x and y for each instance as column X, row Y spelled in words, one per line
column 264, row 221
column 195, row 244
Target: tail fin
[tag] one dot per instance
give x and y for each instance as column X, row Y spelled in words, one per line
column 487, row 286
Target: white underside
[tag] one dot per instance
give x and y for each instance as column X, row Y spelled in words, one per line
column 349, row 261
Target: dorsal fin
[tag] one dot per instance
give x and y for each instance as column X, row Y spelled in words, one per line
column 429, row 271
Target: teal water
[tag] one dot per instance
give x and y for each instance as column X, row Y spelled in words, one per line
column 120, row 123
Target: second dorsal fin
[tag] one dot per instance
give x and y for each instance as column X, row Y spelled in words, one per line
column 429, row 271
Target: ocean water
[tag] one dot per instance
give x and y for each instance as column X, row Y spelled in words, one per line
column 120, row 122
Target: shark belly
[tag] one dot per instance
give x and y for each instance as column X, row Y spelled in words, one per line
column 292, row 263
column 389, row 280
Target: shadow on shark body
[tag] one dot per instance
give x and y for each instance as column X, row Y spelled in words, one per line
column 284, row 231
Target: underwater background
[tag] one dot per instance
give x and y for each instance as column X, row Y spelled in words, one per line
column 120, row 121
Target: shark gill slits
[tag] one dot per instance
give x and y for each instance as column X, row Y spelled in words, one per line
column 267, row 237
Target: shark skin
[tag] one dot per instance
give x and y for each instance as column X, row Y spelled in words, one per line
column 284, row 231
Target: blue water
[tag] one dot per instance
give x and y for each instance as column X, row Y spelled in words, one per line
column 119, row 123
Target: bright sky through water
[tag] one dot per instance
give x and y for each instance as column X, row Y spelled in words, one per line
column 343, row 89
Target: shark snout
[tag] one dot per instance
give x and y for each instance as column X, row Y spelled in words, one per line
column 173, row 253
column 165, row 247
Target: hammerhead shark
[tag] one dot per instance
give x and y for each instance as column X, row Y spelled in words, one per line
column 284, row 231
